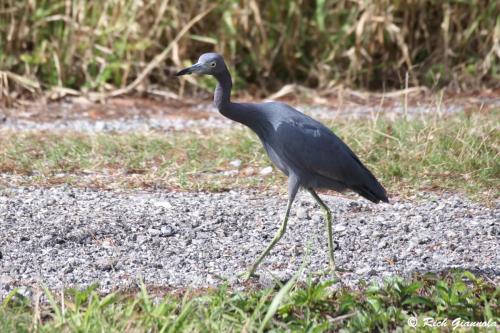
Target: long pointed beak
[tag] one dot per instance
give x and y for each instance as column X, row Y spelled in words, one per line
column 189, row 70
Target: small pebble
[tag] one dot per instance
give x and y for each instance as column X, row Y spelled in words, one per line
column 266, row 171
column 235, row 163
column 316, row 218
column 339, row 228
column 154, row 232
column 230, row 173
column 382, row 245
column 302, row 213
column 166, row 231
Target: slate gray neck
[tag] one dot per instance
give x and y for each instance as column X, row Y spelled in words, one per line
column 222, row 95
column 234, row 111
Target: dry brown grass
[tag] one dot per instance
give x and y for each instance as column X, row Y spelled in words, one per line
column 106, row 45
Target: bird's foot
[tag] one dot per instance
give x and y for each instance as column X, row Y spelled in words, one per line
column 245, row 276
column 334, row 271
column 336, row 274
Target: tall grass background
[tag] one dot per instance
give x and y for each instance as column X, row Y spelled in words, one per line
column 106, row 45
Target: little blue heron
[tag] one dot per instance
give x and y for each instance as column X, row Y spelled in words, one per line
column 309, row 153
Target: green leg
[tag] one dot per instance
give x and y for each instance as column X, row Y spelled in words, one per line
column 328, row 214
column 293, row 187
column 275, row 240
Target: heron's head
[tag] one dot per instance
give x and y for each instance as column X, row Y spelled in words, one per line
column 208, row 63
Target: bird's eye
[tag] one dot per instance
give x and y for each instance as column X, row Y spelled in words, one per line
column 212, row 64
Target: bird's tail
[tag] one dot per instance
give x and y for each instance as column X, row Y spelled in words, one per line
column 368, row 193
column 371, row 190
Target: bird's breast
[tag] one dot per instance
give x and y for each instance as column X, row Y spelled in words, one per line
column 275, row 158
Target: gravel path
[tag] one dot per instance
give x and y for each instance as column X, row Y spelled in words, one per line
column 208, row 117
column 74, row 237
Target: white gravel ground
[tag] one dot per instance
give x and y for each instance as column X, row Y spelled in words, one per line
column 64, row 236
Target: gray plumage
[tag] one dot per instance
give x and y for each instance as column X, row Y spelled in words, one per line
column 309, row 153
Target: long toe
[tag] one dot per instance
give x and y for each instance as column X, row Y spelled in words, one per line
column 338, row 272
column 328, row 273
column 247, row 275
column 335, row 271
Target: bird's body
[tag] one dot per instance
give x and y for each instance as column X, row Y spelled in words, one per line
column 299, row 145
column 308, row 152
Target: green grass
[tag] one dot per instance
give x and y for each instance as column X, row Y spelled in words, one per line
column 294, row 307
column 456, row 152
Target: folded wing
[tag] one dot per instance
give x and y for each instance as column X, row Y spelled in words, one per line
column 313, row 148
